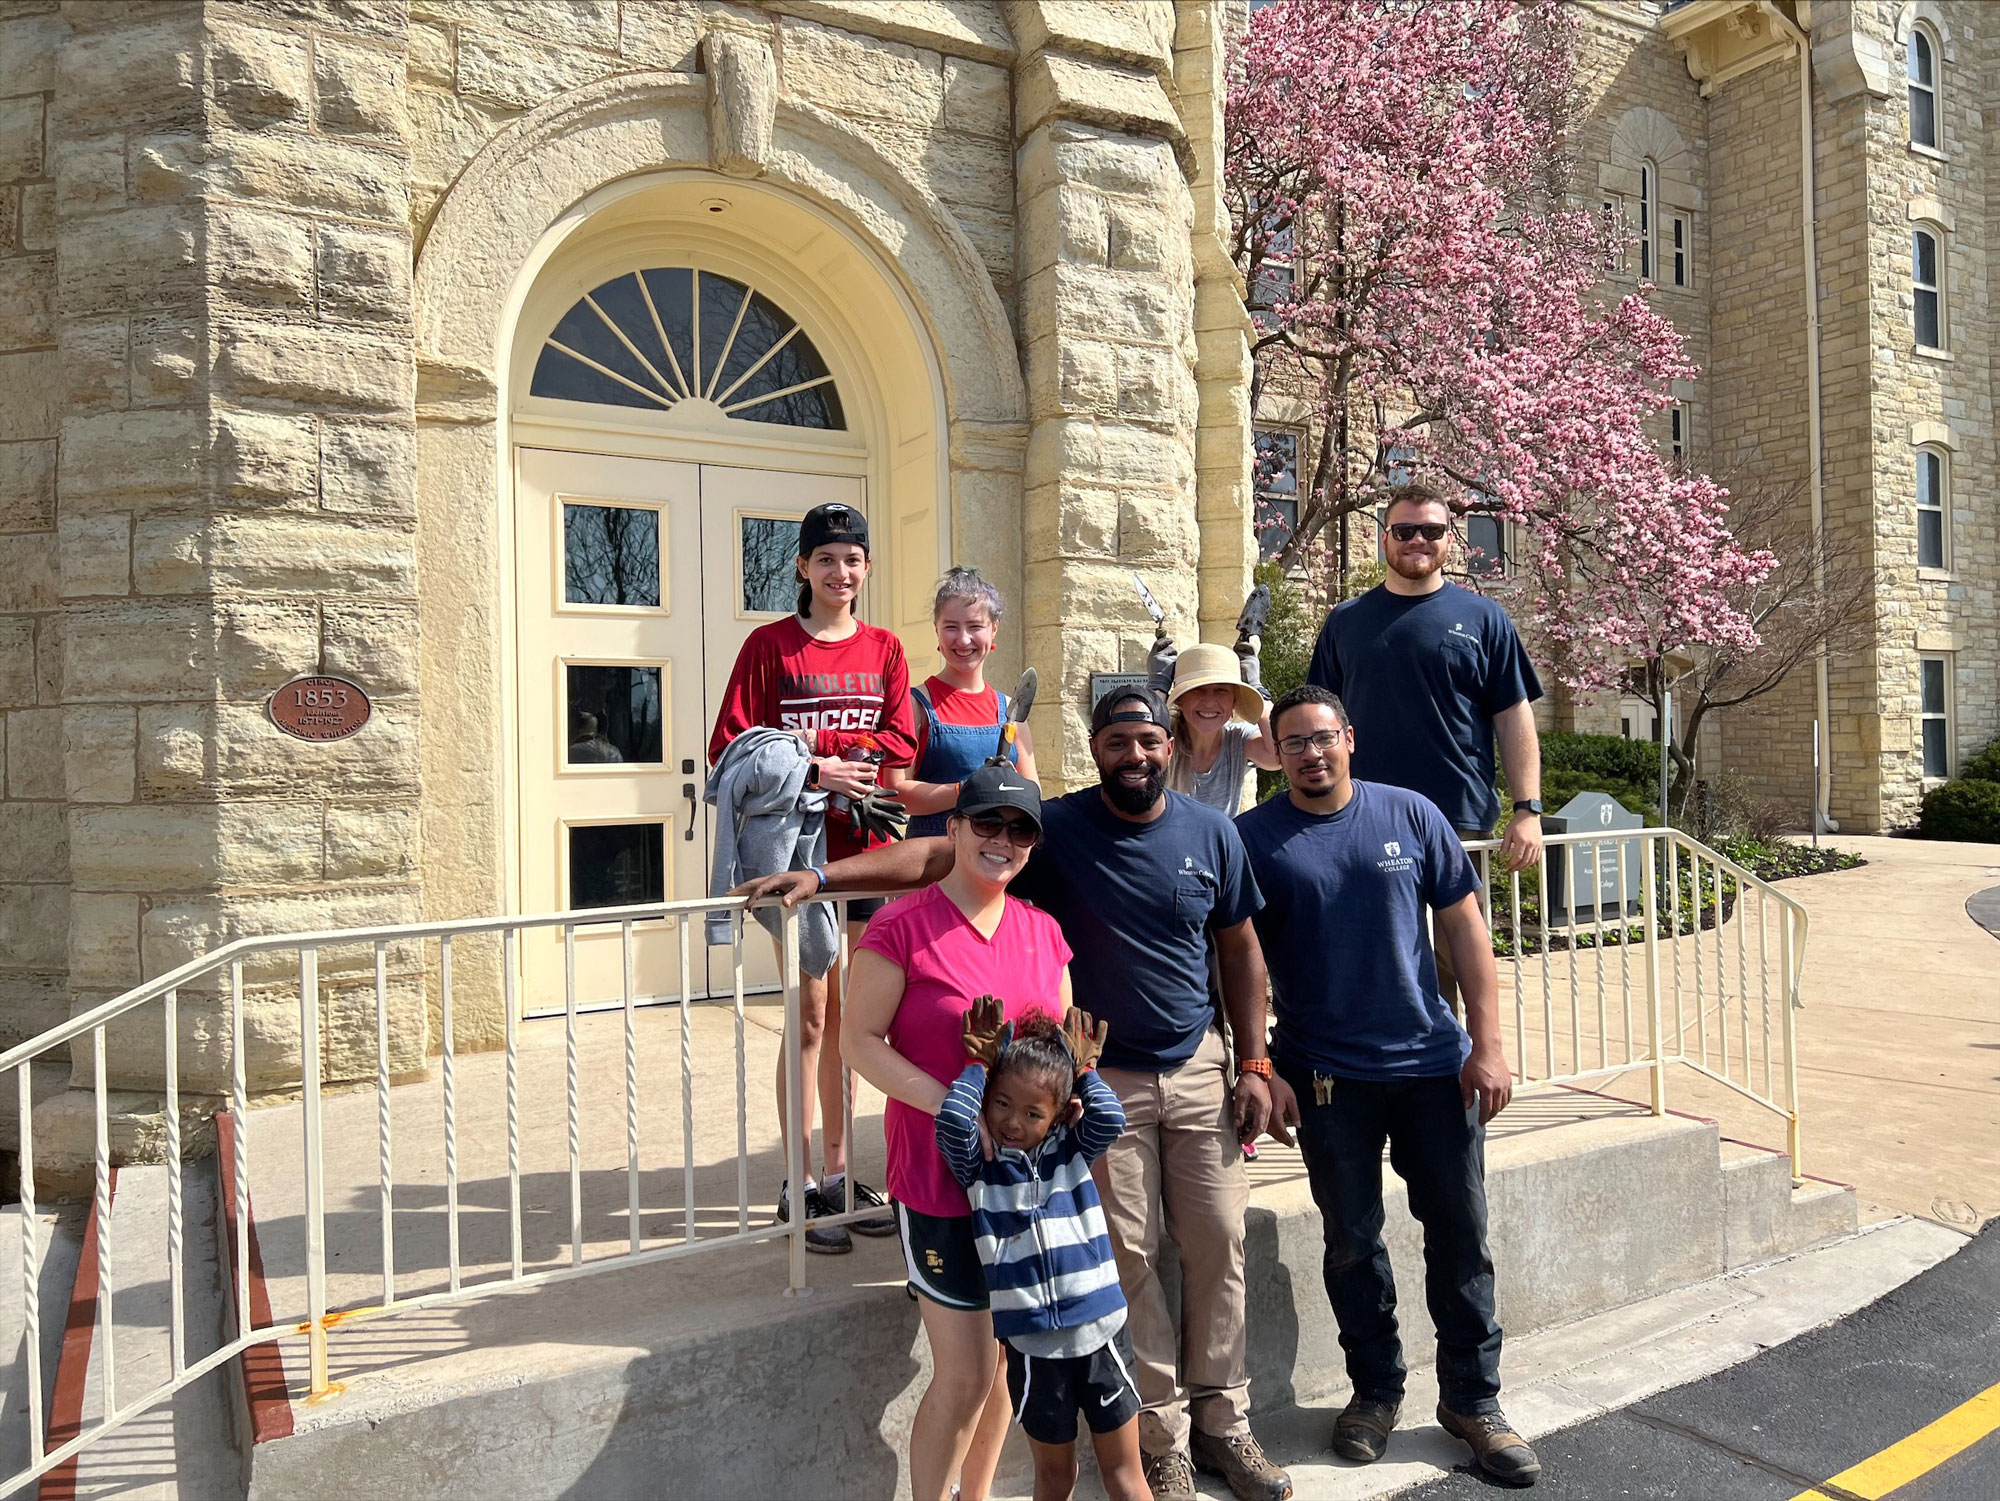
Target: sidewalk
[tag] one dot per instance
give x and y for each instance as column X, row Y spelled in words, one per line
column 1899, row 1038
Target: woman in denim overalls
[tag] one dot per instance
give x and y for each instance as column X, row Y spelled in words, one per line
column 958, row 718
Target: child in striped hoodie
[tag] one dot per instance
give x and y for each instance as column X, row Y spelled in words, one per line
column 1030, row 1089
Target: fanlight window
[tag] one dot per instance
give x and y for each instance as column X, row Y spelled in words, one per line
column 653, row 339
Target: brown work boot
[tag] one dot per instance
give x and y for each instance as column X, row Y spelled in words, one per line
column 1239, row 1459
column 1170, row 1477
column 1362, row 1430
column 1502, row 1453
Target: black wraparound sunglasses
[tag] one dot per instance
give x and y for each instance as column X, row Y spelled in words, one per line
column 1409, row 531
column 1020, row 833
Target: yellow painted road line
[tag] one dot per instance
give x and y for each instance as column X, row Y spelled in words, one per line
column 1919, row 1454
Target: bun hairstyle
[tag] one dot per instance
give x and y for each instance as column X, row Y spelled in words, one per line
column 1038, row 1053
column 965, row 583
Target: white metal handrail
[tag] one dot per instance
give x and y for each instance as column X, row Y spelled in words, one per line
column 1682, row 973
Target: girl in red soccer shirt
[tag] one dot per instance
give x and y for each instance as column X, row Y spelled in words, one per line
column 840, row 686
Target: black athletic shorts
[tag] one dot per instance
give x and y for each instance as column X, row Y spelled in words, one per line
column 1049, row 1391
column 943, row 1259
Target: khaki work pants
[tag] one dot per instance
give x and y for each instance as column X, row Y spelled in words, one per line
column 1178, row 1169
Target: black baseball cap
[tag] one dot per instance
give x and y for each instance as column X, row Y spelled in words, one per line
column 832, row 522
column 992, row 788
column 1131, row 704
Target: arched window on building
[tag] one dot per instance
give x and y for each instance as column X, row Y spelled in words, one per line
column 1933, row 509
column 654, row 339
column 1927, row 283
column 1923, row 55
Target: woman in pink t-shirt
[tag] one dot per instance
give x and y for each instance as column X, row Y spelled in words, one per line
column 916, row 971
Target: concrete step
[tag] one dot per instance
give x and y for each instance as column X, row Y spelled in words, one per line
column 59, row 1235
column 580, row 1387
column 185, row 1446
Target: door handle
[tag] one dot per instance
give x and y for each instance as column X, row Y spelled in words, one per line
column 687, row 791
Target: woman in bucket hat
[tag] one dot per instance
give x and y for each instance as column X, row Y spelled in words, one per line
column 1220, row 722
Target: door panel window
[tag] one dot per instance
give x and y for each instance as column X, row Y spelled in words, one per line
column 614, row 715
column 768, row 546
column 611, row 555
column 617, row 864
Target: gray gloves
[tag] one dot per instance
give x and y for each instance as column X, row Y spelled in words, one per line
column 1246, row 661
column 1160, row 662
column 879, row 815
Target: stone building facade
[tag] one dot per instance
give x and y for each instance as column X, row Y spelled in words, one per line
column 1693, row 111
column 320, row 354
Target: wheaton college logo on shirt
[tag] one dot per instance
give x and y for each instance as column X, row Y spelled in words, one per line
column 1394, row 859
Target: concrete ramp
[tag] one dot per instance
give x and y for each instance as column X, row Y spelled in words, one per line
column 59, row 1232
column 701, row 1378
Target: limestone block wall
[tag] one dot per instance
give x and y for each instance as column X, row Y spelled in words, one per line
column 235, row 505
column 1947, row 400
column 1757, row 433
column 1107, row 296
column 34, row 843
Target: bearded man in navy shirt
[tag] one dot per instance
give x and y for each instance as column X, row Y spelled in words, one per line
column 1432, row 674
column 1374, row 1054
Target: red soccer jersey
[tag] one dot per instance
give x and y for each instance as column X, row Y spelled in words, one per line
column 836, row 692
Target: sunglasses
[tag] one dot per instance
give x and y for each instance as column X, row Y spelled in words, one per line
column 1295, row 745
column 1022, row 834
column 1409, row 531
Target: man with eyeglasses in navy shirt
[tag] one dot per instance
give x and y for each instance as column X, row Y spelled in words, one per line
column 1432, row 672
column 1349, row 870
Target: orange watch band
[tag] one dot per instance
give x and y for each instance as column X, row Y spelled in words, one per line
column 1259, row 1066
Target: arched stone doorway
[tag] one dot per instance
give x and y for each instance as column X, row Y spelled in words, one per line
column 612, row 182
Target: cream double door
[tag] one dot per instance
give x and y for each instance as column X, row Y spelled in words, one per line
column 636, row 582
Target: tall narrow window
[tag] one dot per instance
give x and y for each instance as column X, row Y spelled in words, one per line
column 1485, row 545
column 1927, row 282
column 1614, row 212
column 1923, row 88
column 1936, row 716
column 1677, row 430
column 1931, row 507
column 1646, row 222
column 1277, row 474
column 1680, row 251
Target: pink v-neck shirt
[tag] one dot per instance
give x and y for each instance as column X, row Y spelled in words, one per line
column 945, row 963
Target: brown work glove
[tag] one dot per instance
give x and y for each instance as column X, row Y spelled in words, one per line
column 1084, row 1036
column 987, row 1032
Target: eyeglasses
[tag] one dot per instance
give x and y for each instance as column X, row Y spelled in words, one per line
column 1295, row 745
column 1409, row 531
column 1020, row 833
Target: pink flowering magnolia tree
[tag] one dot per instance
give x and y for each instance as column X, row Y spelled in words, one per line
column 1399, row 180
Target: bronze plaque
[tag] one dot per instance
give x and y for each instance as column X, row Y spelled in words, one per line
column 320, row 708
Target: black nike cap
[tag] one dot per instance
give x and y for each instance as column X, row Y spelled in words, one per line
column 993, row 788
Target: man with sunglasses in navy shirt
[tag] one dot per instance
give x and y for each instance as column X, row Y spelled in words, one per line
column 1431, row 673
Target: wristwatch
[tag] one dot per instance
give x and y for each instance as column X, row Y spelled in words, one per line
column 1259, row 1066
column 1528, row 805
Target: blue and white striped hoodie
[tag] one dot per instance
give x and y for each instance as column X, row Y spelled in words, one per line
column 1035, row 1215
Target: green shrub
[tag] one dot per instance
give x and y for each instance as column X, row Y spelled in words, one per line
column 1965, row 810
column 1602, row 756
column 1984, row 767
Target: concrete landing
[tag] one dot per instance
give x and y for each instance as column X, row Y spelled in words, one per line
column 581, row 1387
column 1582, row 1370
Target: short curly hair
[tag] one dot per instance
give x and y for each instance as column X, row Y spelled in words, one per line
column 1038, row 1053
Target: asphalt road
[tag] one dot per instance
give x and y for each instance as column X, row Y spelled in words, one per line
column 1788, row 1421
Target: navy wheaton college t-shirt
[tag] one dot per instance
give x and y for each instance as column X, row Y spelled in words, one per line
column 1422, row 677
column 1136, row 902
column 1353, row 977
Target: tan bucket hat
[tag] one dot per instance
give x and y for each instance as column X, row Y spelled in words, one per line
column 1207, row 663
